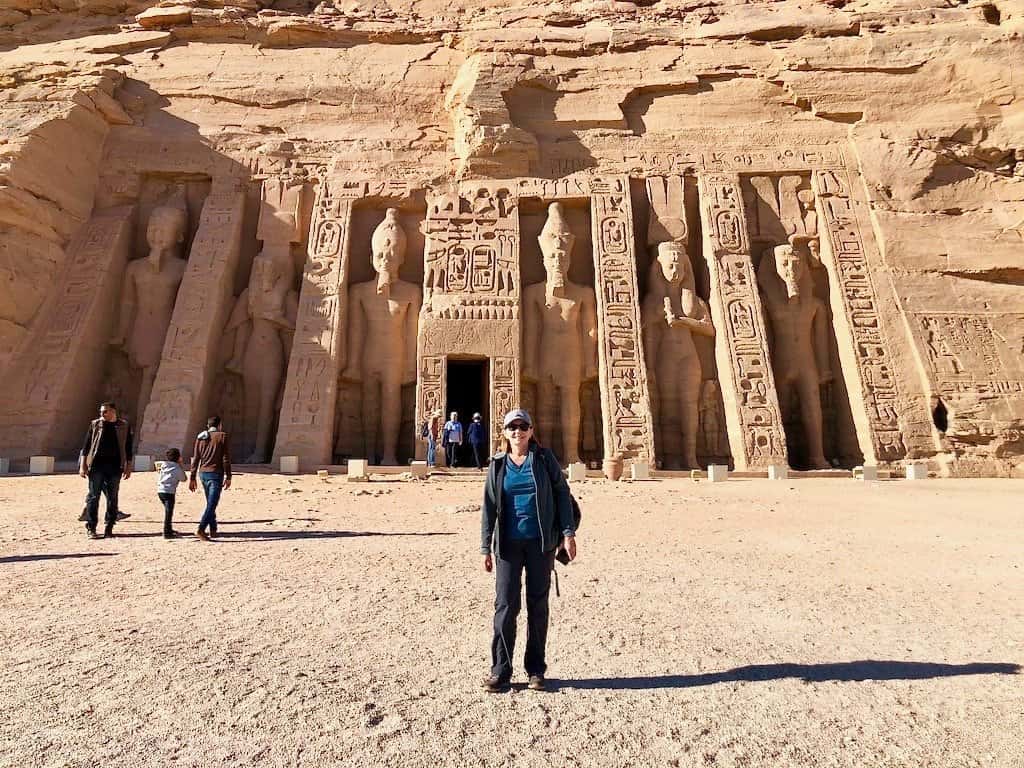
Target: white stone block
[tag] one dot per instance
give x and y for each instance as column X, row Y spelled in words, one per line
column 718, row 473
column 640, row 470
column 323, row 474
column 577, row 472
column 5, row 466
column 143, row 463
column 40, row 465
column 868, row 473
column 778, row 472
column 357, row 470
column 290, row 465
column 418, row 468
column 917, row 470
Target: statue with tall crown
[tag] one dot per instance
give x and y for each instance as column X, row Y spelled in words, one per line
column 798, row 337
column 383, row 319
column 559, row 334
column 150, row 290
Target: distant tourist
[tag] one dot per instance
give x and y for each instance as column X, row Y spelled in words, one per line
column 171, row 474
column 106, row 457
column 478, row 440
column 433, row 435
column 451, row 439
column 211, row 459
column 526, row 510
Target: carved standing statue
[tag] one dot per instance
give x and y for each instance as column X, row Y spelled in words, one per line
column 559, row 334
column 382, row 338
column 263, row 319
column 672, row 312
column 798, row 338
column 147, row 301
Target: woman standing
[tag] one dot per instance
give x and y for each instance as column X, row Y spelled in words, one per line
column 526, row 510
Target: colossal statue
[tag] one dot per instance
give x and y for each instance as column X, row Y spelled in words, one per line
column 798, row 338
column 671, row 313
column 147, row 300
column 263, row 319
column 559, row 334
column 383, row 316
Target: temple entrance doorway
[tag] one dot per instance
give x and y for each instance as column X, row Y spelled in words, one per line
column 468, row 393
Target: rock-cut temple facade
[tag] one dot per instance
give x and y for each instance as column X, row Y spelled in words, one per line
column 745, row 233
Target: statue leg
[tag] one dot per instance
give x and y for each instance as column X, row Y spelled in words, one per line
column 547, row 406
column 670, row 423
column 268, row 388
column 371, row 409
column 689, row 406
column 810, row 412
column 570, row 402
column 148, row 377
column 390, row 420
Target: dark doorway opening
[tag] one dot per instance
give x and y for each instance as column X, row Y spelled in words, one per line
column 467, row 394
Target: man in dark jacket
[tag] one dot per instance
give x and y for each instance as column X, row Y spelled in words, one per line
column 106, row 457
column 478, row 440
column 211, row 460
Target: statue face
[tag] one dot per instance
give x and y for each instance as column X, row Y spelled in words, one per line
column 674, row 261
column 388, row 247
column 556, row 242
column 790, row 267
column 166, row 228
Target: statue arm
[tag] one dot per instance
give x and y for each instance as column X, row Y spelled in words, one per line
column 590, row 349
column 237, row 322
column 127, row 312
column 356, row 328
column 651, row 319
column 531, row 338
column 821, row 344
column 412, row 317
column 702, row 324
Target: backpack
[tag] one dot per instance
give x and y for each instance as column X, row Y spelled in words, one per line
column 577, row 513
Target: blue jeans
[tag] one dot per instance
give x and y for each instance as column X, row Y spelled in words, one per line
column 431, row 451
column 213, row 484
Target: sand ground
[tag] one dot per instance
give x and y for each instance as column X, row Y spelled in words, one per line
column 813, row 622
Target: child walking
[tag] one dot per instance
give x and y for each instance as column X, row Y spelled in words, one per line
column 171, row 474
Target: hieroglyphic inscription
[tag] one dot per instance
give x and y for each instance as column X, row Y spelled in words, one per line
column 306, row 426
column 756, row 435
column 60, row 366
column 966, row 356
column 848, row 262
column 628, row 426
column 200, row 311
column 504, row 394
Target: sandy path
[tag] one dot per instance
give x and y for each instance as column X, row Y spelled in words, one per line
column 801, row 623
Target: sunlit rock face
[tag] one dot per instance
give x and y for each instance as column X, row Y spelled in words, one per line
column 746, row 232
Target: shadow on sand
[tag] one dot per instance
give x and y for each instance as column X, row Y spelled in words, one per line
column 241, row 536
column 55, row 556
column 845, row 671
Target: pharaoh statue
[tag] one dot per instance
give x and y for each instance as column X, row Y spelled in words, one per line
column 382, row 338
column 559, row 334
column 672, row 312
column 798, row 338
column 147, row 300
column 263, row 319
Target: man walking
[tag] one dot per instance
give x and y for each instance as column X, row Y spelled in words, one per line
column 433, row 435
column 477, row 439
column 107, row 456
column 211, row 460
column 451, row 439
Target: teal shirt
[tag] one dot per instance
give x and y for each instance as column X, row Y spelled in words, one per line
column 519, row 500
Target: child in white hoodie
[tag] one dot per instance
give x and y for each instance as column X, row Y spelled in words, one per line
column 171, row 474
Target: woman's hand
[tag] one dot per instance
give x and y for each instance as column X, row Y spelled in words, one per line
column 488, row 563
column 569, row 545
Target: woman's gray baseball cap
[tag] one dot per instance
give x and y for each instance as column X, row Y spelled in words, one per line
column 519, row 414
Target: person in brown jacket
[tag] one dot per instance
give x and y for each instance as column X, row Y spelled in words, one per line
column 106, row 457
column 211, row 460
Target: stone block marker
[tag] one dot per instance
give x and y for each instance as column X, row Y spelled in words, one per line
column 322, row 474
column 40, row 465
column 143, row 463
column 640, row 470
column 357, row 471
column 5, row 466
column 917, row 470
column 577, row 471
column 418, row 468
column 778, row 472
column 867, row 473
column 290, row 465
column 718, row 473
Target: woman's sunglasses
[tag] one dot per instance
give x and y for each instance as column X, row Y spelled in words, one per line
column 517, row 426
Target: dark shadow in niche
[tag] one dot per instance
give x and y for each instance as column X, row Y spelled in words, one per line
column 940, row 415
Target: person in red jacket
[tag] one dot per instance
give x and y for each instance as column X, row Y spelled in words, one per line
column 211, row 460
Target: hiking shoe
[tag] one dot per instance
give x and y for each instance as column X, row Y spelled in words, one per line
column 537, row 683
column 90, row 533
column 495, row 684
column 201, row 535
column 123, row 515
column 171, row 534
column 108, row 531
column 83, row 517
